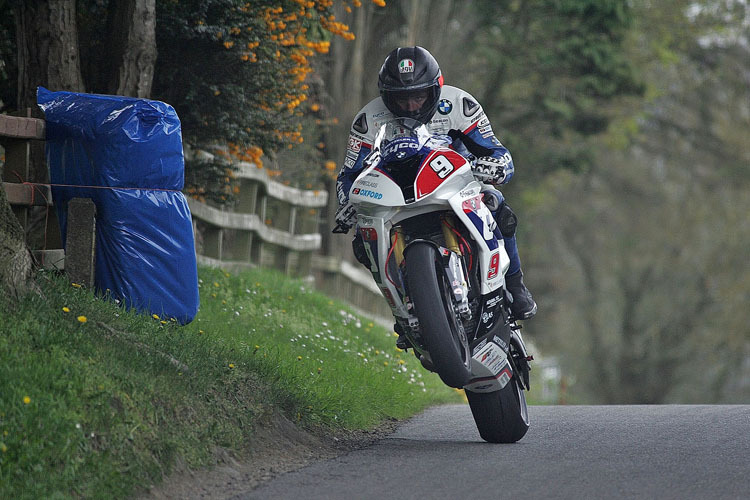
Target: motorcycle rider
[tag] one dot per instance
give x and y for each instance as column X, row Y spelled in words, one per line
column 411, row 86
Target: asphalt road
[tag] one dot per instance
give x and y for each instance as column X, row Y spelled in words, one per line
column 581, row 452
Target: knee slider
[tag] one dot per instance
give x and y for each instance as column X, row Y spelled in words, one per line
column 492, row 200
column 507, row 221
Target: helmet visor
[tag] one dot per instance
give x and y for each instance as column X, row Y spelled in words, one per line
column 411, row 101
column 419, row 103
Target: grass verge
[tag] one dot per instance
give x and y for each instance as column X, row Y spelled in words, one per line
column 100, row 402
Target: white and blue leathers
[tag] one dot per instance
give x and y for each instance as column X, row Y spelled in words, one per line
column 458, row 115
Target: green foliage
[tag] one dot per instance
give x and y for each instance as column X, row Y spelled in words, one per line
column 236, row 71
column 640, row 259
column 100, row 408
column 550, row 69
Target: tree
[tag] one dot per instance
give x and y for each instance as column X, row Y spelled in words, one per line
column 47, row 54
column 638, row 262
column 234, row 70
column 15, row 259
column 47, row 44
column 548, row 73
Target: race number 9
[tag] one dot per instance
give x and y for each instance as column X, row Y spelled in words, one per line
column 494, row 266
column 442, row 166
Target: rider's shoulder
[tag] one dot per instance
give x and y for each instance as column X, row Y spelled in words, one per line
column 459, row 102
column 366, row 120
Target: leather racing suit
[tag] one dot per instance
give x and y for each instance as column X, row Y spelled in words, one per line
column 459, row 116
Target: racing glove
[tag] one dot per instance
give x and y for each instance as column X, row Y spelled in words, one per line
column 345, row 217
column 491, row 169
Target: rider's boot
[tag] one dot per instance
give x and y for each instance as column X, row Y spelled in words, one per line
column 523, row 305
column 402, row 342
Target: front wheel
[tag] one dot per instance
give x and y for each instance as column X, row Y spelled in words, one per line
column 501, row 416
column 430, row 295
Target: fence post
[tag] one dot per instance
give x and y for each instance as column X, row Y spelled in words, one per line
column 22, row 135
column 263, row 202
column 80, row 241
column 292, row 218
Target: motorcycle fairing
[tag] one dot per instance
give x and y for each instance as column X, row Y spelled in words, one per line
column 378, row 230
column 493, row 260
column 482, row 220
column 375, row 187
column 370, row 241
column 490, row 315
column 381, row 205
column 435, row 169
column 490, row 369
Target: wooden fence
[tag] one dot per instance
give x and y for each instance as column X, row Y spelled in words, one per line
column 272, row 225
column 277, row 226
column 352, row 283
column 22, row 137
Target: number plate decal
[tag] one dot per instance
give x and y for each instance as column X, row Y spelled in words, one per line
column 436, row 168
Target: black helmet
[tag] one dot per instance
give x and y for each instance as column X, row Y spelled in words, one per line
column 410, row 82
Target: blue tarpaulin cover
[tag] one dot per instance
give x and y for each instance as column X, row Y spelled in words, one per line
column 126, row 155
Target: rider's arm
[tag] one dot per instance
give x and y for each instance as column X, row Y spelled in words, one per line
column 481, row 142
column 473, row 129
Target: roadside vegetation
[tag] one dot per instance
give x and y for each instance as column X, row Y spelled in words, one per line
column 99, row 401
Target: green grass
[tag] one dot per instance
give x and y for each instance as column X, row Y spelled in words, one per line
column 97, row 409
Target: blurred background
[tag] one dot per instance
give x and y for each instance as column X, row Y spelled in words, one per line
column 628, row 121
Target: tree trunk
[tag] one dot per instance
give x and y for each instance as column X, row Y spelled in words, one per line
column 47, row 43
column 15, row 259
column 131, row 47
column 47, row 38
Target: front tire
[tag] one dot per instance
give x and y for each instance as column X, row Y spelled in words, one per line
column 431, row 300
column 501, row 416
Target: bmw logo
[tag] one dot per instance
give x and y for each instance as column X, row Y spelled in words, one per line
column 445, row 106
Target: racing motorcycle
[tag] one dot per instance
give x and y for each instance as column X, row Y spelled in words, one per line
column 435, row 252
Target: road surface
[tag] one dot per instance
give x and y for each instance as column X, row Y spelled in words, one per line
column 581, row 452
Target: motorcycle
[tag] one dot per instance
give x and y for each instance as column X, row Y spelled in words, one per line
column 435, row 252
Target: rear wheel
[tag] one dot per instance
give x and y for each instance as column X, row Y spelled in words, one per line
column 430, row 295
column 501, row 416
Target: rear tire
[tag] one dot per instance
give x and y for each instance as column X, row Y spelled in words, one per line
column 431, row 302
column 501, row 416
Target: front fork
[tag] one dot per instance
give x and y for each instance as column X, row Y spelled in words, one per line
column 457, row 275
column 453, row 267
